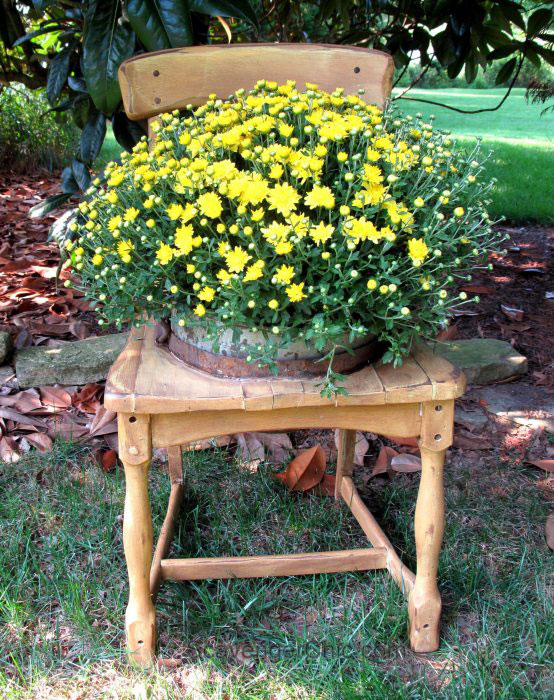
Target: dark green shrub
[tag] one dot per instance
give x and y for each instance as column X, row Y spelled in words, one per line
column 31, row 137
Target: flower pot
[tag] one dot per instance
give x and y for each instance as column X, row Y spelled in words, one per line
column 295, row 360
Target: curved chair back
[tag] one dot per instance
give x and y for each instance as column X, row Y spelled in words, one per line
column 162, row 81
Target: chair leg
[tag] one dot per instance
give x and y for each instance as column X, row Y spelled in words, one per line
column 140, row 618
column 424, row 606
column 345, row 458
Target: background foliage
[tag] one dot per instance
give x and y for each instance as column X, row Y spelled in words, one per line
column 30, row 139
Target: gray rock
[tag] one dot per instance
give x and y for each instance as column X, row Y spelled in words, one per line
column 521, row 403
column 483, row 360
column 472, row 420
column 80, row 362
column 5, row 346
column 7, row 377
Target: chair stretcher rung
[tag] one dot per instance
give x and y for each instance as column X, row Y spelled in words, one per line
column 274, row 565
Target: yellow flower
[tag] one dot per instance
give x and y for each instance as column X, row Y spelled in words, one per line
column 112, row 197
column 174, row 211
column 224, row 277
column 200, row 310
column 320, row 197
column 372, row 284
column 419, row 202
column 97, row 259
column 185, row 239
column 164, row 253
column 210, row 204
column 254, row 272
column 284, row 274
column 373, row 175
column 257, row 215
column 114, row 223
column 206, row 294
column 295, row 292
column 236, row 259
column 283, row 198
column 273, row 304
column 276, row 171
column 275, row 233
column 124, row 249
column 189, row 212
column 131, row 214
column 417, row 250
column 459, row 212
column 283, row 248
column 322, row 232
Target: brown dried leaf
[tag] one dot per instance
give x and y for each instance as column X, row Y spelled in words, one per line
column 360, row 450
column 406, row 463
column 9, row 451
column 546, row 464
column 106, row 459
column 56, row 397
column 305, row 471
column 41, row 441
column 512, row 313
column 250, row 450
column 549, row 531
column 383, row 463
column 10, row 414
column 473, row 442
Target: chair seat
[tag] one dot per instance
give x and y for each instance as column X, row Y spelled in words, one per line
column 147, row 378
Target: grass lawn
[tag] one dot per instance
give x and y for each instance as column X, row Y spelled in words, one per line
column 521, row 142
column 63, row 589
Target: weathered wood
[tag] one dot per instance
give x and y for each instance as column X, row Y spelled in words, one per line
column 274, row 565
column 153, row 383
column 424, row 602
column 175, row 464
column 165, row 537
column 177, row 429
column 400, row 573
column 140, row 617
column 437, row 425
column 345, row 458
column 166, row 80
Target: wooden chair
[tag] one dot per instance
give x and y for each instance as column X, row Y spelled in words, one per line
column 162, row 402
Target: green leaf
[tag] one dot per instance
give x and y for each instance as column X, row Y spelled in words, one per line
column 81, row 110
column 58, row 71
column 106, row 43
column 503, row 51
column 80, row 173
column 69, row 183
column 38, row 32
column 126, row 132
column 92, row 137
column 161, row 24
column 506, row 71
column 540, row 19
column 49, row 205
column 241, row 9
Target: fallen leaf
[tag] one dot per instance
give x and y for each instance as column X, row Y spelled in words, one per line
column 549, row 531
column 105, row 421
column 546, row 464
column 9, row 451
column 305, row 471
column 477, row 289
column 473, row 442
column 55, row 397
column 41, row 441
column 20, row 418
column 406, row 463
column 250, row 450
column 512, row 313
column 326, row 486
column 278, row 446
column 407, row 442
column 106, row 459
column 383, row 462
column 450, row 333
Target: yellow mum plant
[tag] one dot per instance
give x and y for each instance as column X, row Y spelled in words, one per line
column 303, row 215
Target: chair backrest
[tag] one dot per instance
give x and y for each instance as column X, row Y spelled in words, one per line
column 162, row 81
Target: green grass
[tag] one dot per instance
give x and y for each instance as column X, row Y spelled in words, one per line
column 63, row 589
column 520, row 139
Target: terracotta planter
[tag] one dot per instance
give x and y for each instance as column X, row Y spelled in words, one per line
column 296, row 360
